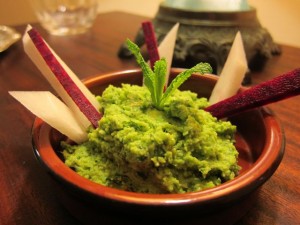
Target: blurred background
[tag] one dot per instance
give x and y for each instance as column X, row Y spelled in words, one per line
column 281, row 18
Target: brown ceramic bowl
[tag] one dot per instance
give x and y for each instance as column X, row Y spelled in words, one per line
column 260, row 142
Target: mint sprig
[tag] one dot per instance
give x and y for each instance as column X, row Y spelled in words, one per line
column 155, row 80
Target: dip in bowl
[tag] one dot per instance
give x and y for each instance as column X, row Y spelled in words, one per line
column 259, row 141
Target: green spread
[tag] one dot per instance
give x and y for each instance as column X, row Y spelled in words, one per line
column 176, row 149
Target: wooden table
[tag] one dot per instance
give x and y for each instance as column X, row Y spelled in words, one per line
column 25, row 191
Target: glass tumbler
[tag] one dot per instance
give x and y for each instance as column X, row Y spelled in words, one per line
column 65, row 17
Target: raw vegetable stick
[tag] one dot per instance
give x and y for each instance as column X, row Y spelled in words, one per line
column 233, row 72
column 279, row 88
column 53, row 111
column 151, row 43
column 61, row 78
column 166, row 49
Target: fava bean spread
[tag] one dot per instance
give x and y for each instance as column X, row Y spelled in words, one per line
column 137, row 147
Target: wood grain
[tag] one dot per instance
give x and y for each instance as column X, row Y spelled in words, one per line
column 25, row 191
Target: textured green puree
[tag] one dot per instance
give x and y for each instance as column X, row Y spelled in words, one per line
column 175, row 149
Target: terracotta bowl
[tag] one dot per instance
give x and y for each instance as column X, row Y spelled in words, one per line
column 260, row 142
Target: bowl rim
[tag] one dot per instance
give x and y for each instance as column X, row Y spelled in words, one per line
column 259, row 173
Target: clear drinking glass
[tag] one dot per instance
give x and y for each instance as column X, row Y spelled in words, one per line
column 65, row 17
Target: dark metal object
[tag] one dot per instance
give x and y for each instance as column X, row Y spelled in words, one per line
column 208, row 36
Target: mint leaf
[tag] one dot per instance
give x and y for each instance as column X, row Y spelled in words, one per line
column 149, row 76
column 201, row 68
column 160, row 71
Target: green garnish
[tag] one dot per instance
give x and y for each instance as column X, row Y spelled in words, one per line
column 155, row 80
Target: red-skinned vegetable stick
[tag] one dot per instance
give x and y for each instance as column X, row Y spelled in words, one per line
column 279, row 88
column 82, row 103
column 151, row 43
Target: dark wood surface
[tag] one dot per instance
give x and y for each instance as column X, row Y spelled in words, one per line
column 25, row 192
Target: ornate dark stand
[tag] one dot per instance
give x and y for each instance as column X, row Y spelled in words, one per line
column 208, row 36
